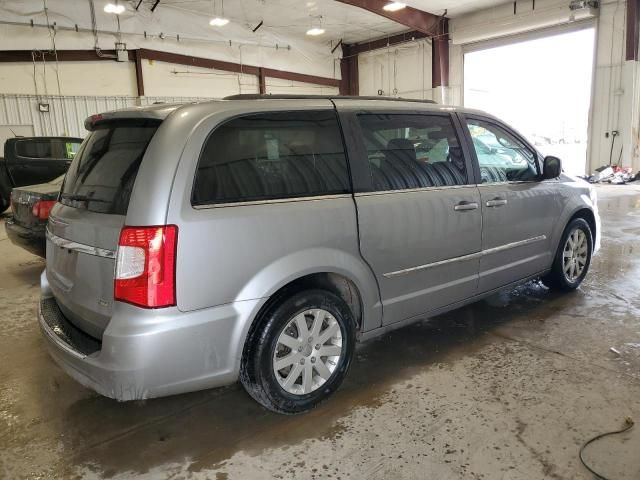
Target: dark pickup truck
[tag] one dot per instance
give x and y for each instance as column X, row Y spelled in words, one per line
column 34, row 160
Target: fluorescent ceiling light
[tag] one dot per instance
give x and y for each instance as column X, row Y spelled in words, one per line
column 315, row 31
column 114, row 8
column 394, row 6
column 218, row 22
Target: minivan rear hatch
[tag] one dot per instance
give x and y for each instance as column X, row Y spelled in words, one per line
column 84, row 227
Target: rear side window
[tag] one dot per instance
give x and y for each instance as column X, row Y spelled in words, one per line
column 272, row 156
column 53, row 148
column 102, row 175
column 412, row 151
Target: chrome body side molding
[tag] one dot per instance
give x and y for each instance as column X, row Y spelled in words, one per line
column 463, row 258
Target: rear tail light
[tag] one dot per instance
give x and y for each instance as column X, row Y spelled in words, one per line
column 146, row 266
column 42, row 208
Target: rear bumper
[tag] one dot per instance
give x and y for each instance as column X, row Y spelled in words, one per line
column 150, row 353
column 31, row 239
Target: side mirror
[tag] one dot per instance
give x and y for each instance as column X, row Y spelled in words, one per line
column 552, row 167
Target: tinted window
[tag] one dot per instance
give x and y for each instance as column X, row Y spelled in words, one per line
column 57, row 148
column 412, row 151
column 272, row 155
column 101, row 177
column 501, row 156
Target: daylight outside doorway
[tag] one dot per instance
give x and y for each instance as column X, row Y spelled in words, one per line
column 541, row 86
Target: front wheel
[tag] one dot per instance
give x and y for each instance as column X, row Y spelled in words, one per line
column 573, row 257
column 299, row 352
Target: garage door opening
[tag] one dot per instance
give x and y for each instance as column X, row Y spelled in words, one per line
column 540, row 86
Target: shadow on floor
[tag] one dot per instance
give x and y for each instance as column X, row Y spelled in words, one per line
column 209, row 427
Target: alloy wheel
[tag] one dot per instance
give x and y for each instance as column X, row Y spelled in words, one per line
column 308, row 351
column 574, row 255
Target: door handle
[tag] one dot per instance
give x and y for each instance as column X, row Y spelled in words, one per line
column 496, row 202
column 463, row 206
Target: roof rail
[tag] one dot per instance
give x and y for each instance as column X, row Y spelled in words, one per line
column 255, row 96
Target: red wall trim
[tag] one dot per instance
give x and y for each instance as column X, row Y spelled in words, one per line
column 301, row 77
column 180, row 59
column 63, row 55
column 143, row 53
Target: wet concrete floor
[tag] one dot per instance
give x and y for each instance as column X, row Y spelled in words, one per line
column 508, row 388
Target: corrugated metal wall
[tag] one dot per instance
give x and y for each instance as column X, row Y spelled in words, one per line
column 67, row 114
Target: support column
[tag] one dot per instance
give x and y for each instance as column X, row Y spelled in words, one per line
column 349, row 83
column 139, row 77
column 440, row 62
column 262, row 81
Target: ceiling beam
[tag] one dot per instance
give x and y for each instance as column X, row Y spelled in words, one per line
column 413, row 18
column 369, row 45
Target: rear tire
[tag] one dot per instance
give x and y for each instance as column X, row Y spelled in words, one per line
column 283, row 367
column 573, row 257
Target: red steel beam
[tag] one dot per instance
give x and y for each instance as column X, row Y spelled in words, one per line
column 262, row 82
column 633, row 29
column 180, row 59
column 349, row 84
column 367, row 46
column 424, row 24
column 143, row 53
column 139, row 76
column 411, row 17
column 63, row 55
column 440, row 56
column 301, row 77
column 236, row 67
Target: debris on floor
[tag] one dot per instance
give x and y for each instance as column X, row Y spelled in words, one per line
column 613, row 174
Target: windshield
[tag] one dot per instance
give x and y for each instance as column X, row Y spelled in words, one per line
column 102, row 175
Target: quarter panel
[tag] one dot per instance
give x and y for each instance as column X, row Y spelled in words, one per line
column 245, row 251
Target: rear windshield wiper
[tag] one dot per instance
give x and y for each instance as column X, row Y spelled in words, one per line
column 81, row 198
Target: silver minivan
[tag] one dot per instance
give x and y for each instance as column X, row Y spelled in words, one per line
column 258, row 238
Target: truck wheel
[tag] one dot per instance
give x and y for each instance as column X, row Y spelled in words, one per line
column 573, row 257
column 300, row 351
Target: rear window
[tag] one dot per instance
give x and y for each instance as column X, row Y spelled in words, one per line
column 272, row 156
column 101, row 177
column 54, row 148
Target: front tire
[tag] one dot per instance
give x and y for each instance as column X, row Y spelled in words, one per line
column 299, row 352
column 573, row 257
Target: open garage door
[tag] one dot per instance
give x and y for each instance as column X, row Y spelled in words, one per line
column 541, row 84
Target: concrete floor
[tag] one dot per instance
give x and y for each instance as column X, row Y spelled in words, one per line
column 508, row 388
